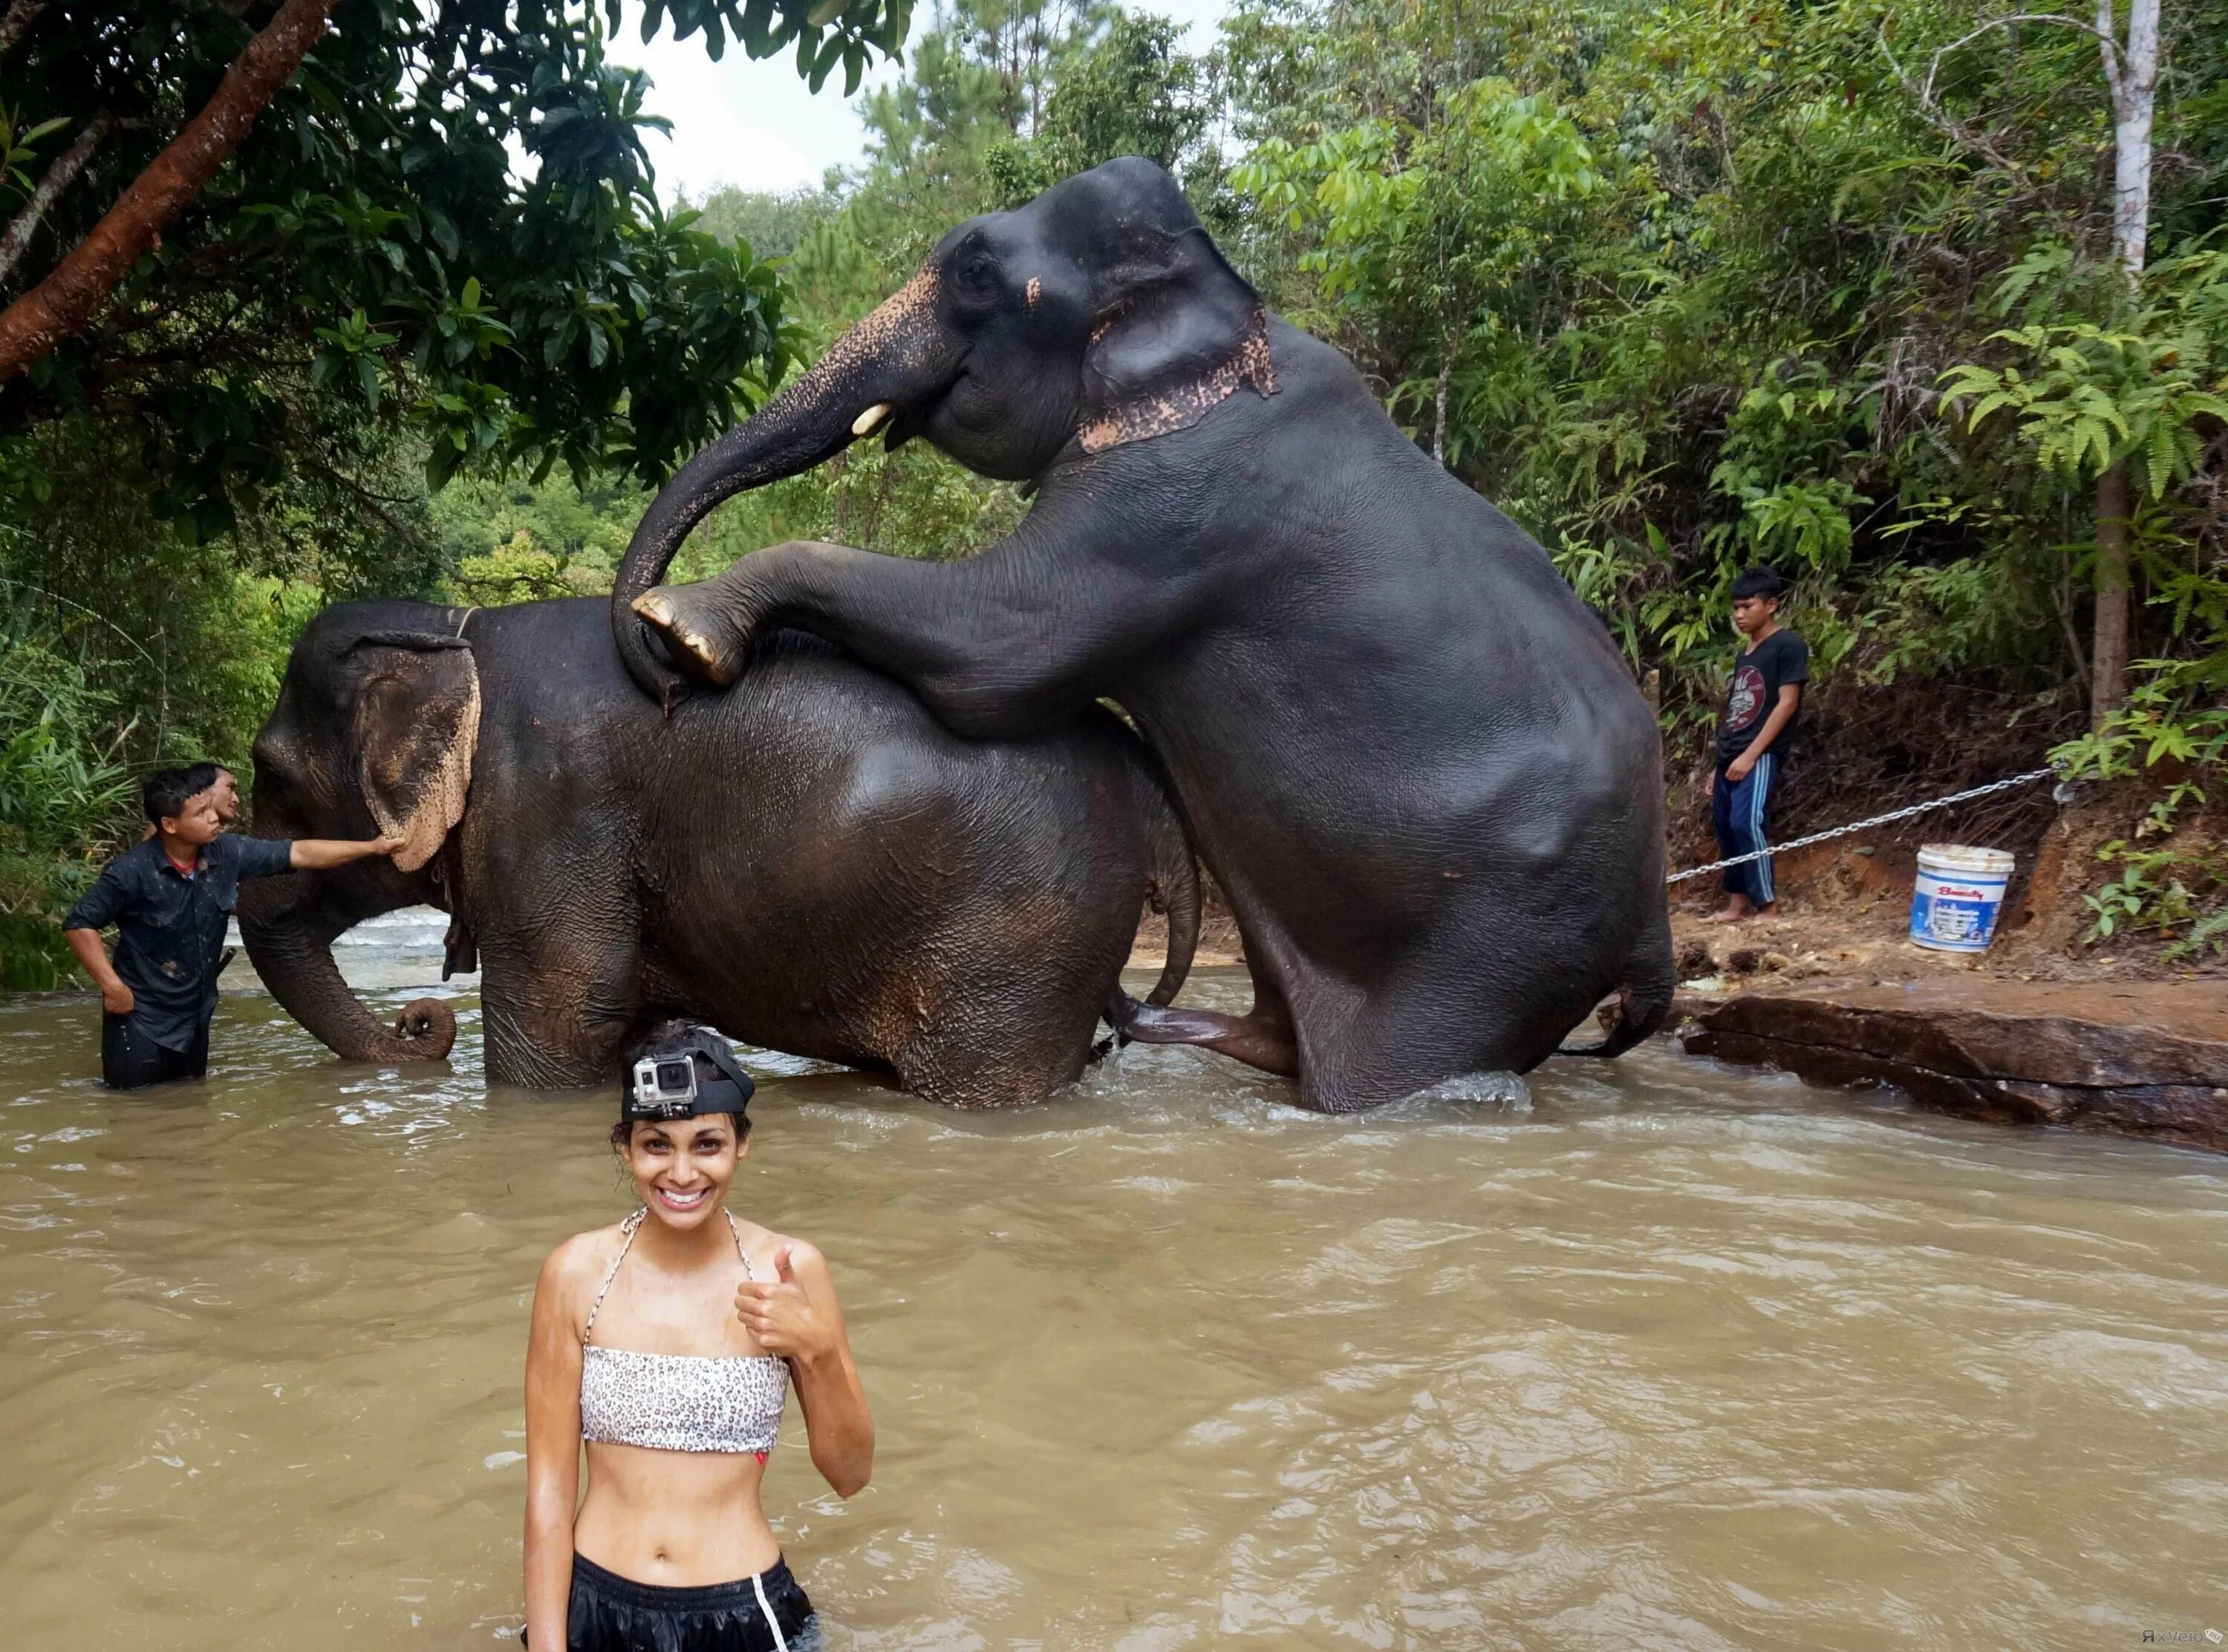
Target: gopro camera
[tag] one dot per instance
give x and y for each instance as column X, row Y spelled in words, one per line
column 664, row 1087
column 665, row 1084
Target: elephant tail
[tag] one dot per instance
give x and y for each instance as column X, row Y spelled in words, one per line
column 1172, row 883
column 1644, row 997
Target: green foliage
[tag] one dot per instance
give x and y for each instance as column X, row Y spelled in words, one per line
column 438, row 253
column 2172, row 876
column 1125, row 91
column 2147, row 390
column 771, row 225
column 1676, row 286
column 2171, row 895
column 62, row 777
column 371, row 251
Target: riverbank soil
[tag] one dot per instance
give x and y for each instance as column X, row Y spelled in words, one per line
column 2043, row 1028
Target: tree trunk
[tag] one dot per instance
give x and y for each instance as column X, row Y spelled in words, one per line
column 2108, row 656
column 62, row 174
column 1439, row 413
column 2134, row 81
column 2133, row 99
column 59, row 307
column 22, row 13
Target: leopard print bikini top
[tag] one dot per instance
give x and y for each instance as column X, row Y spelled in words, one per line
column 678, row 1402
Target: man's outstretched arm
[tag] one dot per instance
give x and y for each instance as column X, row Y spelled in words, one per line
column 322, row 854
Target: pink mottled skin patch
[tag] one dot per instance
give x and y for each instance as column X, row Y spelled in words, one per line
column 1177, row 407
column 1034, row 291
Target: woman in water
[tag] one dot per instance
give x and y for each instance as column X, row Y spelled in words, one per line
column 666, row 1343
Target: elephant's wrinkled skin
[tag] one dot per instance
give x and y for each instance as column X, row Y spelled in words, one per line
column 812, row 863
column 1411, row 755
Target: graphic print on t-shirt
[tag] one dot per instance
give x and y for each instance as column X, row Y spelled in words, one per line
column 1746, row 700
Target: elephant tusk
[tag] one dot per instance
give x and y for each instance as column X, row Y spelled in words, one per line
column 871, row 417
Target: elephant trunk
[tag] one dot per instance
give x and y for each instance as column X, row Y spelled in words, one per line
column 290, row 942
column 895, row 358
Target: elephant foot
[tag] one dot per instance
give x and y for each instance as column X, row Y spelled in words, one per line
column 687, row 635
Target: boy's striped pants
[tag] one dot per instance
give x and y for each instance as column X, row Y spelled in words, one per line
column 1741, row 811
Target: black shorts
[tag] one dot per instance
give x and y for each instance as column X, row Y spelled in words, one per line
column 130, row 1060
column 610, row 1613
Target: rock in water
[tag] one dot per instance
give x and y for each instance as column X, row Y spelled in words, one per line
column 2139, row 1059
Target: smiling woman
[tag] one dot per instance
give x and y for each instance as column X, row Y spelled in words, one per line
column 673, row 1373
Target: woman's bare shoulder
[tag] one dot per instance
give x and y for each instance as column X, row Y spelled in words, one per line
column 764, row 1244
column 581, row 1260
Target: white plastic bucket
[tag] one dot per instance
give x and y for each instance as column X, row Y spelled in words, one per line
column 1959, row 893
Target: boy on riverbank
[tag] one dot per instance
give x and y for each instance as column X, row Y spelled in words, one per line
column 1761, row 708
column 169, row 896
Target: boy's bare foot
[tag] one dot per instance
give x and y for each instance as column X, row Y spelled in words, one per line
column 1735, row 908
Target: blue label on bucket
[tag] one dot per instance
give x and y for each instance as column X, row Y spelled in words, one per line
column 1955, row 916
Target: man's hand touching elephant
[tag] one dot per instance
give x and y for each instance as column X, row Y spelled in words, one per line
column 324, row 854
column 783, row 1318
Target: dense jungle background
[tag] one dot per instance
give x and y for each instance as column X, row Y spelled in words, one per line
column 1681, row 284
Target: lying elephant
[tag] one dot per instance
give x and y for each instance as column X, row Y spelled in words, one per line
column 1413, row 758
column 813, row 863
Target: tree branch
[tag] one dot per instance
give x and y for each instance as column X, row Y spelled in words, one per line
column 2111, row 48
column 59, row 306
column 60, row 176
column 334, row 478
column 22, row 13
column 1942, row 120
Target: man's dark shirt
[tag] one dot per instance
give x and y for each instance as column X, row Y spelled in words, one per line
column 169, row 928
column 1758, row 675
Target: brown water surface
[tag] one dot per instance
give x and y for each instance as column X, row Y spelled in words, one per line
column 1669, row 1356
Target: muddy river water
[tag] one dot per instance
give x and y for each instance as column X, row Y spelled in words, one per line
column 1663, row 1355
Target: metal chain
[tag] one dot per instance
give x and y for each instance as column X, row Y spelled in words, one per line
column 2028, row 778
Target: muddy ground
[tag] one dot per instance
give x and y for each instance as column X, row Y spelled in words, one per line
column 1844, row 909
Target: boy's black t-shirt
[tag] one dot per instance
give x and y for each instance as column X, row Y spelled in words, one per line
column 1758, row 675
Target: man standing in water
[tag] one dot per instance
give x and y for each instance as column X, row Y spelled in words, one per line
column 169, row 896
column 1761, row 707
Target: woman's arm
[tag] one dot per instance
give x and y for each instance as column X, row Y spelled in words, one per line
column 798, row 1319
column 553, row 1454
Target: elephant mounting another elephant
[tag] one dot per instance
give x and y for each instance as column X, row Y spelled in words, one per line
column 812, row 862
column 1412, row 757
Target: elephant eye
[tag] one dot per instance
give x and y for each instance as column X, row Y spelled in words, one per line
column 977, row 276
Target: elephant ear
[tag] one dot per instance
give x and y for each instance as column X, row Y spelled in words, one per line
column 1176, row 331
column 416, row 722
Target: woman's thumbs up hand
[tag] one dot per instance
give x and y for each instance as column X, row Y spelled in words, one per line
column 780, row 1314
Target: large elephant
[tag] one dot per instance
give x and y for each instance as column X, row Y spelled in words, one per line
column 1412, row 756
column 813, row 863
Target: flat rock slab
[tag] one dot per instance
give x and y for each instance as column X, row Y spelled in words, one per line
column 2140, row 1058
